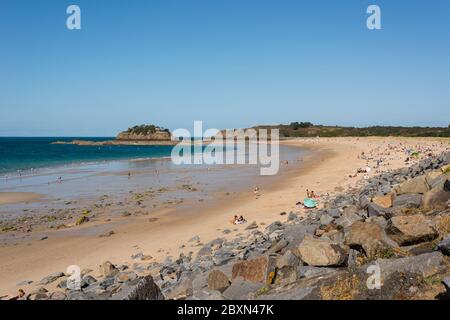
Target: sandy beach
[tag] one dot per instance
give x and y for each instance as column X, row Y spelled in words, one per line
column 329, row 168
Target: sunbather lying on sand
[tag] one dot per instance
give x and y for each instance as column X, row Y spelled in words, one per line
column 240, row 220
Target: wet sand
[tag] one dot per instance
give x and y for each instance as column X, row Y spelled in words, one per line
column 18, row 197
column 326, row 169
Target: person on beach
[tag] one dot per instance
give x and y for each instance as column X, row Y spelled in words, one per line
column 238, row 220
column 241, row 220
column 310, row 194
column 256, row 192
column 234, row 219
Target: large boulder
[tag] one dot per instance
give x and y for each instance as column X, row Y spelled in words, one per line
column 408, row 200
column 287, row 268
column 436, row 198
column 288, row 259
column 126, row 276
column 347, row 219
column 260, row 269
column 444, row 246
column 182, row 289
column 431, row 178
column 286, row 275
column 279, row 245
column 321, row 253
column 334, row 235
column 383, row 201
column 427, row 265
column 334, row 212
column 80, row 295
column 439, row 181
column 368, row 236
column 408, row 230
column 416, row 185
column 240, row 289
column 326, row 219
column 374, row 210
column 107, row 269
column 217, row 280
column 58, row 295
column 144, row 289
column 51, row 278
column 310, row 271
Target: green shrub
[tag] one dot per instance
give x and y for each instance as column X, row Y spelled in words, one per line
column 145, row 129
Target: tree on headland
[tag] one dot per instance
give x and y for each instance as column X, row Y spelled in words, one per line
column 298, row 125
column 146, row 129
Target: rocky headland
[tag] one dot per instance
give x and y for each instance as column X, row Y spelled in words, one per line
column 137, row 135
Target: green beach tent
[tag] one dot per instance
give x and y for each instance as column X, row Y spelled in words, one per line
column 310, row 203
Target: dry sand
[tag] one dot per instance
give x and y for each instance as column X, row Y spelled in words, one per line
column 324, row 171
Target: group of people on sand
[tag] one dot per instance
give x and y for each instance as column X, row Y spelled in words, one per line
column 365, row 171
column 311, row 194
column 238, row 220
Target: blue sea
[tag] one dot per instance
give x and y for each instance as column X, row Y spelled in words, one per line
column 19, row 155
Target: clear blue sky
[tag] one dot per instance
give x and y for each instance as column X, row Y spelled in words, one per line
column 230, row 63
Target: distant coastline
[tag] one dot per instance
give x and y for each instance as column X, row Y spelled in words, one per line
column 80, row 142
column 307, row 129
